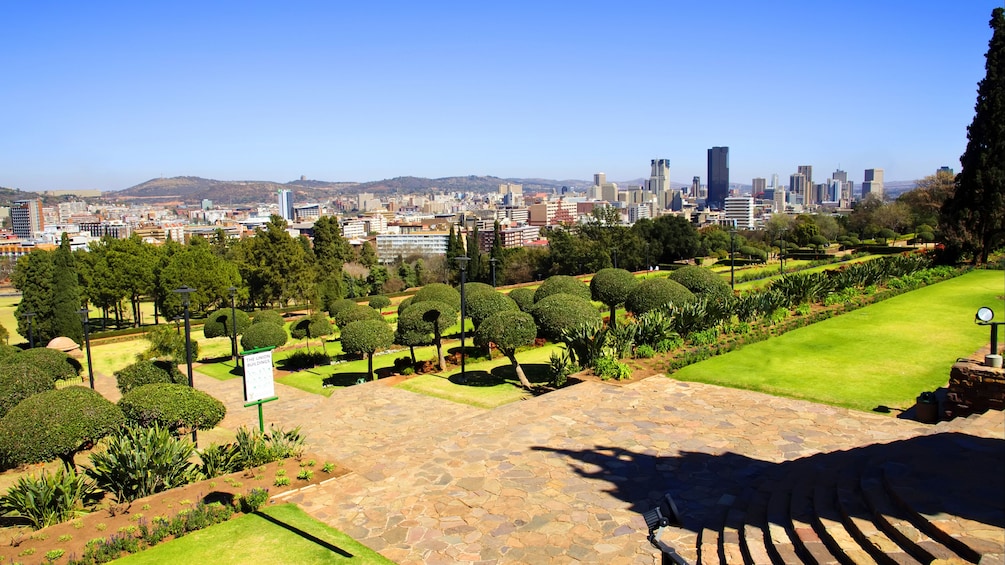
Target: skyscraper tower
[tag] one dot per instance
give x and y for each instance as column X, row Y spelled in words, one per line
column 718, row 177
column 659, row 181
column 26, row 218
column 285, row 204
column 873, row 183
column 809, row 194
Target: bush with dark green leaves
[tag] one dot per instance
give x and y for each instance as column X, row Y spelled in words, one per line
column 219, row 323
column 19, row 381
column 656, row 293
column 509, row 330
column 379, row 301
column 524, row 298
column 149, row 372
column 470, row 287
column 438, row 292
column 55, row 363
column 612, row 286
column 356, row 314
column 8, row 350
column 138, row 462
column 269, row 317
column 339, row 307
column 315, row 326
column 403, row 305
column 430, row 318
column 484, row 303
column 561, row 284
column 49, row 499
column 560, row 312
column 367, row 337
column 172, row 406
column 259, row 336
column 702, row 282
column 56, row 424
column 165, row 342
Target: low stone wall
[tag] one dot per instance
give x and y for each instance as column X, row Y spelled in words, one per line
column 975, row 388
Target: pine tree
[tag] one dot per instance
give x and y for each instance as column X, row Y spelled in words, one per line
column 974, row 216
column 65, row 295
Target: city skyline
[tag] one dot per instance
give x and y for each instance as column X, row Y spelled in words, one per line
column 108, row 96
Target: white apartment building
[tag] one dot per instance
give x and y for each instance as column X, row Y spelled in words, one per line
column 427, row 243
column 739, row 210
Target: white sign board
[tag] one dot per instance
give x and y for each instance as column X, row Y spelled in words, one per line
column 258, row 380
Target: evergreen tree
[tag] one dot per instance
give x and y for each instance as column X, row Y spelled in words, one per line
column 331, row 252
column 33, row 277
column 974, row 217
column 65, row 294
column 367, row 256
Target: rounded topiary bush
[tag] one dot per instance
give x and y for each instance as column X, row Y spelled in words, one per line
column 263, row 335
column 339, row 307
column 439, row 292
column 172, row 406
column 55, row 363
column 56, row 424
column 470, row 287
column 612, row 286
column 524, row 298
column 148, row 372
column 702, row 282
column 482, row 304
column 7, row 350
column 562, row 284
column 269, row 317
column 379, row 301
column 219, row 324
column 560, row 312
column 19, row 381
column 355, row 314
column 656, row 293
column 403, row 305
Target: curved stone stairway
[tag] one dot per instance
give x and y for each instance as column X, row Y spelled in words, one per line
column 937, row 498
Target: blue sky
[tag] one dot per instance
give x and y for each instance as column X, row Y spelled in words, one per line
column 107, row 95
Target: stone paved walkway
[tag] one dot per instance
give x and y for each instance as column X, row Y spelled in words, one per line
column 561, row 478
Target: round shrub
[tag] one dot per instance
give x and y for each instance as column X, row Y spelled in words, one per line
column 269, row 317
column 7, row 350
column 428, row 317
column 367, row 336
column 439, row 292
column 524, row 298
column 219, row 324
column 611, row 286
column 656, row 293
column 19, row 381
column 359, row 312
column 561, row 284
column 482, row 304
column 508, row 330
column 560, row 312
column 148, row 372
column 702, row 282
column 470, row 287
column 379, row 301
column 171, row 406
column 263, row 335
column 56, row 423
column 55, row 363
column 403, row 305
column 314, row 326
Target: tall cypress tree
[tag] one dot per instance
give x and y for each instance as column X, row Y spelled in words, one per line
column 973, row 219
column 65, row 295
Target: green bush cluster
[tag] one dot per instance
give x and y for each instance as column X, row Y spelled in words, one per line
column 524, row 298
column 251, row 448
column 301, row 360
column 55, row 363
column 172, row 406
column 19, row 381
column 253, row 500
column 138, row 462
column 479, row 305
column 271, row 317
column 48, row 499
column 610, row 368
column 561, row 284
column 656, row 293
column 560, row 312
column 219, row 323
column 379, row 301
column 259, row 336
column 148, row 372
column 702, row 282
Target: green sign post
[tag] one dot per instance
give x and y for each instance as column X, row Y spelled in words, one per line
column 259, row 382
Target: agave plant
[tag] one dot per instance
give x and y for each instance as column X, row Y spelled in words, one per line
column 139, row 462
column 49, row 498
column 586, row 342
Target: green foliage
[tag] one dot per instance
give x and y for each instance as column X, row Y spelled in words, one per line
column 702, row 281
column 270, row 317
column 301, row 360
column 429, row 318
column 167, row 343
column 357, row 313
column 508, row 330
column 171, row 406
column 219, row 323
column 484, row 303
column 55, row 363
column 253, row 500
column 65, row 294
column 138, row 462
column 560, row 312
column 644, row 352
column 315, row 326
column 56, row 423
column 49, row 499
column 403, row 305
column 253, row 448
column 586, row 341
column 621, row 339
column 561, row 284
column 438, row 292
column 656, row 293
column 148, row 372
column 19, row 381
column 610, row 368
column 366, row 336
column 560, row 366
column 653, row 327
column 380, row 301
column 219, row 460
column 612, row 286
column 524, row 298
column 263, row 335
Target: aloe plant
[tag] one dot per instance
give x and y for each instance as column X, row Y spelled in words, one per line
column 139, row 462
column 49, row 498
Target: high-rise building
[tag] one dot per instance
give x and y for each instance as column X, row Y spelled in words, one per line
column 696, row 187
column 797, row 188
column 740, row 211
column 779, row 199
column 285, row 198
column 846, row 186
column 758, row 186
column 26, row 218
column 809, row 198
column 718, row 177
column 945, row 169
column 659, row 181
column 873, row 183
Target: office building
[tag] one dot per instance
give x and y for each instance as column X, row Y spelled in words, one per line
column 758, row 186
column 797, row 188
column 739, row 210
column 873, row 184
column 778, row 199
column 659, row 181
column 946, row 170
column 26, row 218
column 809, row 198
column 718, row 177
column 285, row 198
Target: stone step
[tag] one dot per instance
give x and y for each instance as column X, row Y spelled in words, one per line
column 809, row 546
column 752, row 535
column 841, row 543
column 893, row 523
column 708, row 546
column 858, row 520
column 779, row 539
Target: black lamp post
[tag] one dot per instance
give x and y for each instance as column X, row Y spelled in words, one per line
column 983, row 318
column 28, row 316
column 185, row 291
column 732, row 256
column 233, row 324
column 462, row 264
column 493, row 262
column 177, row 324
column 86, row 321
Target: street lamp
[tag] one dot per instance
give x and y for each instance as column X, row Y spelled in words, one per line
column 185, row 291
column 233, row 324
column 462, row 264
column 86, row 321
column 983, row 318
column 493, row 262
column 31, row 337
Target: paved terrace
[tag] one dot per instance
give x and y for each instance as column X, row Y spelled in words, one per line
column 562, row 478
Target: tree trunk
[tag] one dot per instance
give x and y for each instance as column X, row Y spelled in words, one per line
column 439, row 351
column 67, row 459
column 612, row 323
column 411, row 348
column 369, row 366
column 519, row 370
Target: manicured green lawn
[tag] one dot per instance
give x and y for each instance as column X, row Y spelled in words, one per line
column 761, row 283
column 283, row 534
column 881, row 355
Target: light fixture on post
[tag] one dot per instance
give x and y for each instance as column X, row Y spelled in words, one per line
column 983, row 318
column 28, row 316
column 493, row 262
column 86, row 321
column 462, row 264
column 185, row 291
column 233, row 324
